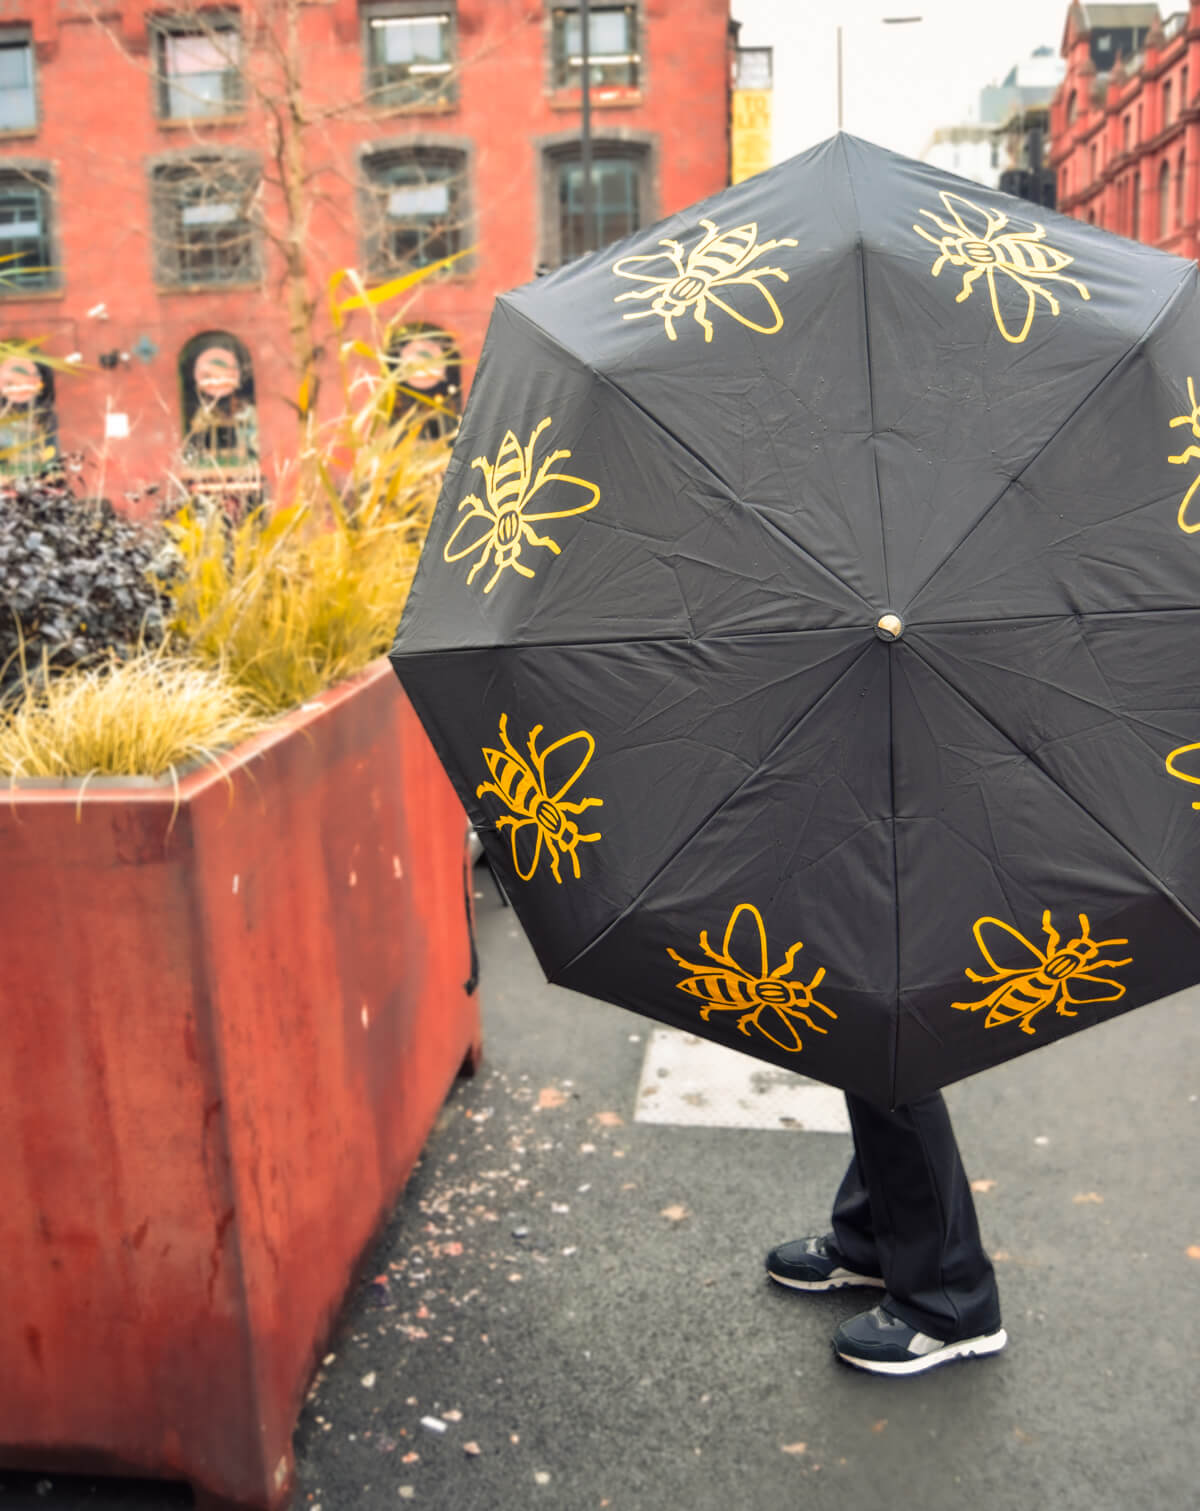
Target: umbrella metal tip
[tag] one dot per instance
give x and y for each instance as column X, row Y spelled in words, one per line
column 889, row 627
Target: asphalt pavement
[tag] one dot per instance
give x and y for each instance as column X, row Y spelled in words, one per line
column 568, row 1308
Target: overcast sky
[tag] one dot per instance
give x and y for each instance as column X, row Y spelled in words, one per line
column 899, row 82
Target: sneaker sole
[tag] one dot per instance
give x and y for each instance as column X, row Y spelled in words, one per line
column 835, row 1282
column 968, row 1348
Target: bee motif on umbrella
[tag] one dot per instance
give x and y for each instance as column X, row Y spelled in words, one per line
column 499, row 525
column 720, row 260
column 1063, row 978
column 1183, row 776
column 750, row 987
column 536, row 813
column 1190, row 454
column 1022, row 256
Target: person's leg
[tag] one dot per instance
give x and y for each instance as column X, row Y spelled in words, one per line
column 920, row 1216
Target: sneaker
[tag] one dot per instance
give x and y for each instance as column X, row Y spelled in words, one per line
column 881, row 1343
column 813, row 1264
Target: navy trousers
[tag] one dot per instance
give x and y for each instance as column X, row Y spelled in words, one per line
column 904, row 1211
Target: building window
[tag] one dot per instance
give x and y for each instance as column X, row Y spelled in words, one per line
column 1126, row 128
column 18, row 97
column 27, row 421
column 204, row 226
column 613, row 58
column 619, row 199
column 1072, row 108
column 1179, row 170
column 1166, row 102
column 416, row 207
column 198, row 68
column 26, row 253
column 409, row 51
column 1093, row 160
column 1135, row 212
column 220, row 421
column 1183, row 88
column 1164, row 198
column 1138, row 132
column 427, row 373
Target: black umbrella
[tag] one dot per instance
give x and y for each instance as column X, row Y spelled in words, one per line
column 807, row 621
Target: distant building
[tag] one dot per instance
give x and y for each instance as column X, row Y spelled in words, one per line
column 1022, row 107
column 978, row 149
column 1125, row 124
column 178, row 180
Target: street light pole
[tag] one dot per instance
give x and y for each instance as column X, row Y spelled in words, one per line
column 585, row 133
column 887, row 21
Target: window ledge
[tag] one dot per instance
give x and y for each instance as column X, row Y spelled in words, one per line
column 20, row 133
column 611, row 97
column 28, row 296
column 240, row 287
column 425, row 107
column 192, row 122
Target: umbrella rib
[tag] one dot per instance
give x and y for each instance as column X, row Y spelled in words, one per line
column 860, row 248
column 1141, row 865
column 1185, row 285
column 700, row 461
column 703, row 823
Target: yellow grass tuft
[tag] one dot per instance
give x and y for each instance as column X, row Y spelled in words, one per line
column 144, row 717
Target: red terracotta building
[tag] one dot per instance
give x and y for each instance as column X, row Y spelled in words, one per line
column 1125, row 124
column 177, row 184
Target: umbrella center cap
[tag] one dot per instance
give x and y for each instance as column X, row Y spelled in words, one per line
column 889, row 626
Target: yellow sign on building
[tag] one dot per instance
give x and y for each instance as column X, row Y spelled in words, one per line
column 751, row 133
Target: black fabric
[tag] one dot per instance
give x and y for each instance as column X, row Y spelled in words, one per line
column 904, row 1210
column 696, row 472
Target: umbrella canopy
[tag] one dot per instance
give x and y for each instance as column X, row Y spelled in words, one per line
column 807, row 621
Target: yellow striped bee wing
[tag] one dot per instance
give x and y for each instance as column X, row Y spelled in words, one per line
column 759, row 296
column 561, row 763
column 1006, row 938
column 976, row 222
column 581, row 508
column 1110, row 990
column 751, row 954
column 478, row 523
column 525, row 844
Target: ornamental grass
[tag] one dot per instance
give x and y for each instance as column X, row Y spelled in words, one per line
column 149, row 716
column 260, row 612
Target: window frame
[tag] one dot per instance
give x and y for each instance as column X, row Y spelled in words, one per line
column 170, row 268
column 22, row 36
column 379, row 257
column 202, row 24
column 202, row 461
column 632, row 60
column 401, row 95
column 40, row 178
column 564, row 149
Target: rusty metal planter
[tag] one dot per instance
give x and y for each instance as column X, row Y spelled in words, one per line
column 230, row 1015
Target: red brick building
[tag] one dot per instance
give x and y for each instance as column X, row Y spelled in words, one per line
column 1125, row 124
column 177, row 185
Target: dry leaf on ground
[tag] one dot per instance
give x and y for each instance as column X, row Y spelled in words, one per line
column 1193, row 1251
column 676, row 1212
column 610, row 1119
column 793, row 1447
column 982, row 1185
column 550, row 1096
column 1087, row 1196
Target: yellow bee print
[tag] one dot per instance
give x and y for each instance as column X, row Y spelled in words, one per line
column 1183, row 776
column 1190, row 454
column 1060, row 977
column 538, row 821
column 766, row 999
column 682, row 282
column 500, row 525
column 1022, row 256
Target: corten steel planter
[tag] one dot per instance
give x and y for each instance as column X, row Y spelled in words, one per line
column 229, row 1021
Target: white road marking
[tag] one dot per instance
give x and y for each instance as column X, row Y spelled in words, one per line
column 688, row 1081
